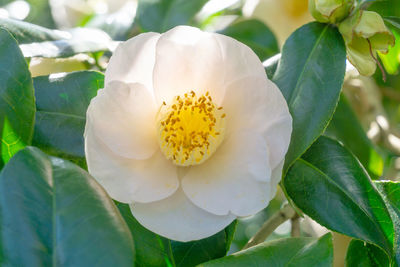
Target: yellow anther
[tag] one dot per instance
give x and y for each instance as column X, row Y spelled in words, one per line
column 198, row 130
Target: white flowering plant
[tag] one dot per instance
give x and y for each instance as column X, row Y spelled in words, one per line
column 199, row 133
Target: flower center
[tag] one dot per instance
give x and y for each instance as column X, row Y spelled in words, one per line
column 190, row 128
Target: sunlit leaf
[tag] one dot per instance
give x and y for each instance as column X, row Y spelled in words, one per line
column 53, row 213
column 17, row 103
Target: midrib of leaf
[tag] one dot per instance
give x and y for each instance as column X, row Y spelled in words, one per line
column 307, row 245
column 296, row 89
column 344, row 192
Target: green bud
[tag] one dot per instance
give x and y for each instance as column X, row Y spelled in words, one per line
column 365, row 33
column 331, row 11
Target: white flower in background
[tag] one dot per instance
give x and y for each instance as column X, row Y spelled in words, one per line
column 281, row 16
column 188, row 130
column 70, row 13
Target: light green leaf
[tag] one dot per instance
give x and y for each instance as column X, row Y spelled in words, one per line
column 362, row 254
column 391, row 60
column 285, row 252
column 154, row 250
column 61, row 102
column 162, row 15
column 53, row 213
column 310, row 75
column 17, row 103
column 329, row 185
column 256, row 35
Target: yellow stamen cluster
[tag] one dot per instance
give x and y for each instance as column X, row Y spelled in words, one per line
column 190, row 128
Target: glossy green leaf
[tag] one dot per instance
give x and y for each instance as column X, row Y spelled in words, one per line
column 61, row 102
column 17, row 103
column 287, row 252
column 53, row 213
column 26, row 32
column 346, row 128
column 390, row 191
column 154, row 250
column 330, row 185
column 256, row 35
column 162, row 15
column 362, row 254
column 310, row 75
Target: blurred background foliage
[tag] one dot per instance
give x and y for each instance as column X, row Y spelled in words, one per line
column 367, row 119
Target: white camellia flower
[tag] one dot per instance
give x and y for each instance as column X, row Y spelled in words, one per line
column 188, row 130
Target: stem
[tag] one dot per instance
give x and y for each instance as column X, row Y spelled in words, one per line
column 377, row 61
column 295, row 230
column 286, row 213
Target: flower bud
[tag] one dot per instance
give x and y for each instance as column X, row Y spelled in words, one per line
column 331, row 11
column 365, row 33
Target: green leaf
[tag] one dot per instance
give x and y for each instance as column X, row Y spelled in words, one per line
column 386, row 7
column 391, row 194
column 346, row 128
column 394, row 21
column 331, row 186
column 361, row 254
column 52, row 213
column 26, row 32
column 310, row 75
column 256, row 35
column 17, row 102
column 285, row 252
column 154, row 250
column 80, row 40
column 162, row 15
column 391, row 60
column 61, row 102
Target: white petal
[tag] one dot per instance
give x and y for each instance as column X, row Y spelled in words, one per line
column 276, row 177
column 133, row 60
column 239, row 59
column 187, row 59
column 178, row 219
column 128, row 180
column 235, row 179
column 123, row 117
column 255, row 103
